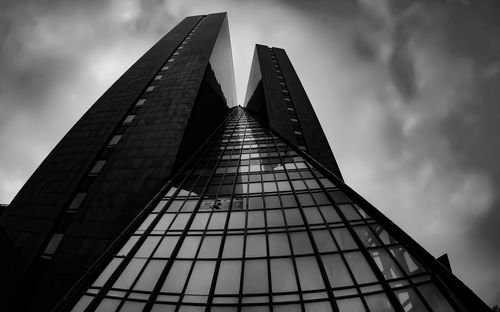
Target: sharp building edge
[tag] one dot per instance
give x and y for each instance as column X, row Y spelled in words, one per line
column 167, row 196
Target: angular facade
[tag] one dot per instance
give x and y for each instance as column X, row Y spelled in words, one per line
column 166, row 196
column 115, row 159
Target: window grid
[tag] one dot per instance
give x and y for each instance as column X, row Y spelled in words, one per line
column 214, row 176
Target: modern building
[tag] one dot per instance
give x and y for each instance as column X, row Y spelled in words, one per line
column 167, row 196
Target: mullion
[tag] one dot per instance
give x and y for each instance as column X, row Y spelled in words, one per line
column 326, row 281
column 371, row 262
column 341, row 252
column 292, row 252
column 159, row 283
column 224, row 234
column 203, row 235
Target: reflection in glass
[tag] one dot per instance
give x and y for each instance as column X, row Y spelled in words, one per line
column 275, row 218
column 379, row 303
column 367, row 236
column 434, row 298
column 410, row 301
column 209, row 247
column 385, row 264
column 407, row 262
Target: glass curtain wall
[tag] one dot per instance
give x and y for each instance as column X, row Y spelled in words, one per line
column 250, row 225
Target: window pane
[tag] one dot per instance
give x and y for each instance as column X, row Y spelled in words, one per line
column 278, row 244
column 309, row 274
column 150, row 275
column 329, row 214
column 272, row 202
column 107, row 272
column 283, row 275
column 336, row 271
column 255, row 280
column 256, row 245
column 324, row 241
column 114, row 140
column 200, row 221
column 379, row 303
column 201, row 277
column 410, row 301
column 54, row 242
column 237, row 220
column 97, row 167
column 368, row 238
column 385, row 264
column 349, row 212
column 300, row 243
column 350, row 305
column 313, row 216
column 233, row 246
column 407, row 262
column 228, row 281
column 189, row 247
column 322, row 306
column 180, row 222
column 383, row 235
column 293, row 217
column 360, row 268
column 344, row 239
column 129, row 274
column 176, row 276
column 107, row 305
column 275, row 218
column 77, row 201
column 255, row 219
column 217, row 221
column 210, row 247
column 147, row 246
column 434, row 298
column 166, row 246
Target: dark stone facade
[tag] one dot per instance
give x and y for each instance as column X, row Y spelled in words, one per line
column 266, row 99
column 135, row 169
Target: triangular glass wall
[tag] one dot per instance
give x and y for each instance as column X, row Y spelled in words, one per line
column 252, row 224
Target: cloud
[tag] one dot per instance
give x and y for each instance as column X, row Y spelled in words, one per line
column 406, row 92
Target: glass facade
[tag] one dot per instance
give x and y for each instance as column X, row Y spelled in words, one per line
column 250, row 225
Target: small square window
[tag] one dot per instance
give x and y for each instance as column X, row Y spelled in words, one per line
column 164, row 68
column 150, row 88
column 114, row 140
column 159, row 76
column 51, row 247
column 170, row 60
column 140, row 102
column 76, row 202
column 97, row 167
column 129, row 119
column 176, row 53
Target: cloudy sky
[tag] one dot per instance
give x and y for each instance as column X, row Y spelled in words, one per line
column 407, row 93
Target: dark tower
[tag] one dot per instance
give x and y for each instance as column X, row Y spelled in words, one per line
column 275, row 95
column 116, row 157
column 165, row 196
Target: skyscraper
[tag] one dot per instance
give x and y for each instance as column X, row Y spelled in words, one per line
column 166, row 196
